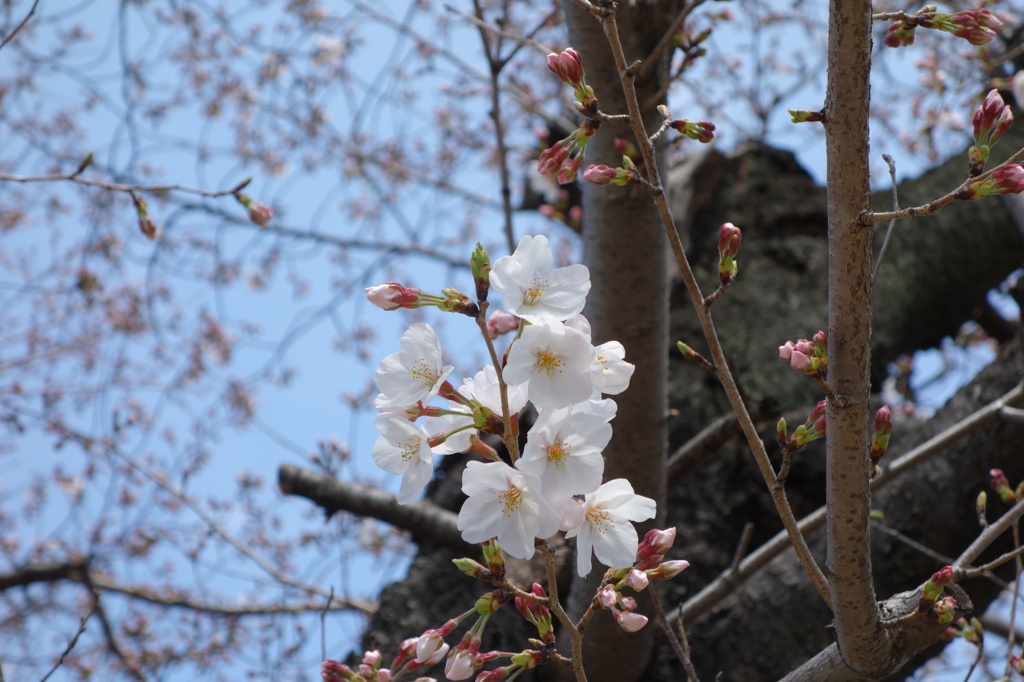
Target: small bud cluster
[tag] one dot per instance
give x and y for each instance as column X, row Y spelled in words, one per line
column 369, row 669
column 809, row 357
column 991, row 120
column 146, row 225
column 811, row 430
column 937, row 607
column 971, row 631
column 1008, row 179
column 977, row 27
column 568, row 66
column 650, row 565
column 565, row 156
column 702, row 131
column 1002, row 487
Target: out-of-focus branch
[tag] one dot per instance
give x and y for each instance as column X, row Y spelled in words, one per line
column 426, row 521
column 80, row 571
column 10, row 36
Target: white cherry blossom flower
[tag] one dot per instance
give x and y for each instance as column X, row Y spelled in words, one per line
column 533, row 289
column 555, row 360
column 563, row 449
column 506, row 504
column 609, row 371
column 413, row 373
column 606, row 529
column 403, row 449
column 483, row 388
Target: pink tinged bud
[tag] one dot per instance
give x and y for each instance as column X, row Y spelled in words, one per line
column 386, row 296
column 786, row 351
column 729, row 238
column 1009, row 179
column 800, row 362
column 384, row 675
column 627, row 603
column 944, row 610
column 600, row 174
column 569, row 170
column 607, row 597
column 332, row 670
column 899, row 35
column 567, row 65
column 461, row 665
column 428, row 644
column 630, row 622
column 669, row 569
column 260, row 214
column 501, row 322
column 656, row 542
column 638, row 580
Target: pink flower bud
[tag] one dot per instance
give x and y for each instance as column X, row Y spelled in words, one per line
column 656, row 542
column 786, row 351
column 383, row 675
column 600, row 174
column 567, row 65
column 332, row 670
column 729, row 238
column 260, row 214
column 799, row 361
column 392, row 295
column 1006, row 180
column 669, row 569
column 428, row 644
column 899, row 35
column 627, row 603
column 630, row 622
column 607, row 597
column 638, row 580
column 461, row 665
column 501, row 322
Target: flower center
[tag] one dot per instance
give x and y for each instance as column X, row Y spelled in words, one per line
column 600, row 520
column 535, row 291
column 424, row 371
column 511, row 499
column 558, row 452
column 549, row 363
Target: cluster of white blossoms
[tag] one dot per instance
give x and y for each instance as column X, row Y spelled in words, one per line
column 557, row 482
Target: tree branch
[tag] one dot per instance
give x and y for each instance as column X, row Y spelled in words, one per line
column 425, row 520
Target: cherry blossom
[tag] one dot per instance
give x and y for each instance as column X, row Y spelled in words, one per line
column 609, row 370
column 403, row 449
column 506, row 504
column 555, row 360
column 533, row 289
column 563, row 449
column 415, row 372
column 606, row 529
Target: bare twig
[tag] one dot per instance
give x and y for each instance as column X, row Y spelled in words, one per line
column 74, row 640
column 895, row 207
column 677, row 638
column 31, row 11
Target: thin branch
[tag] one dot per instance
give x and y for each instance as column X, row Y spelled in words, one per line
column 74, row 640
column 115, row 645
column 119, row 187
column 888, row 230
column 933, row 206
column 13, row 33
column 987, row 537
column 627, row 75
column 677, row 638
column 666, row 38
